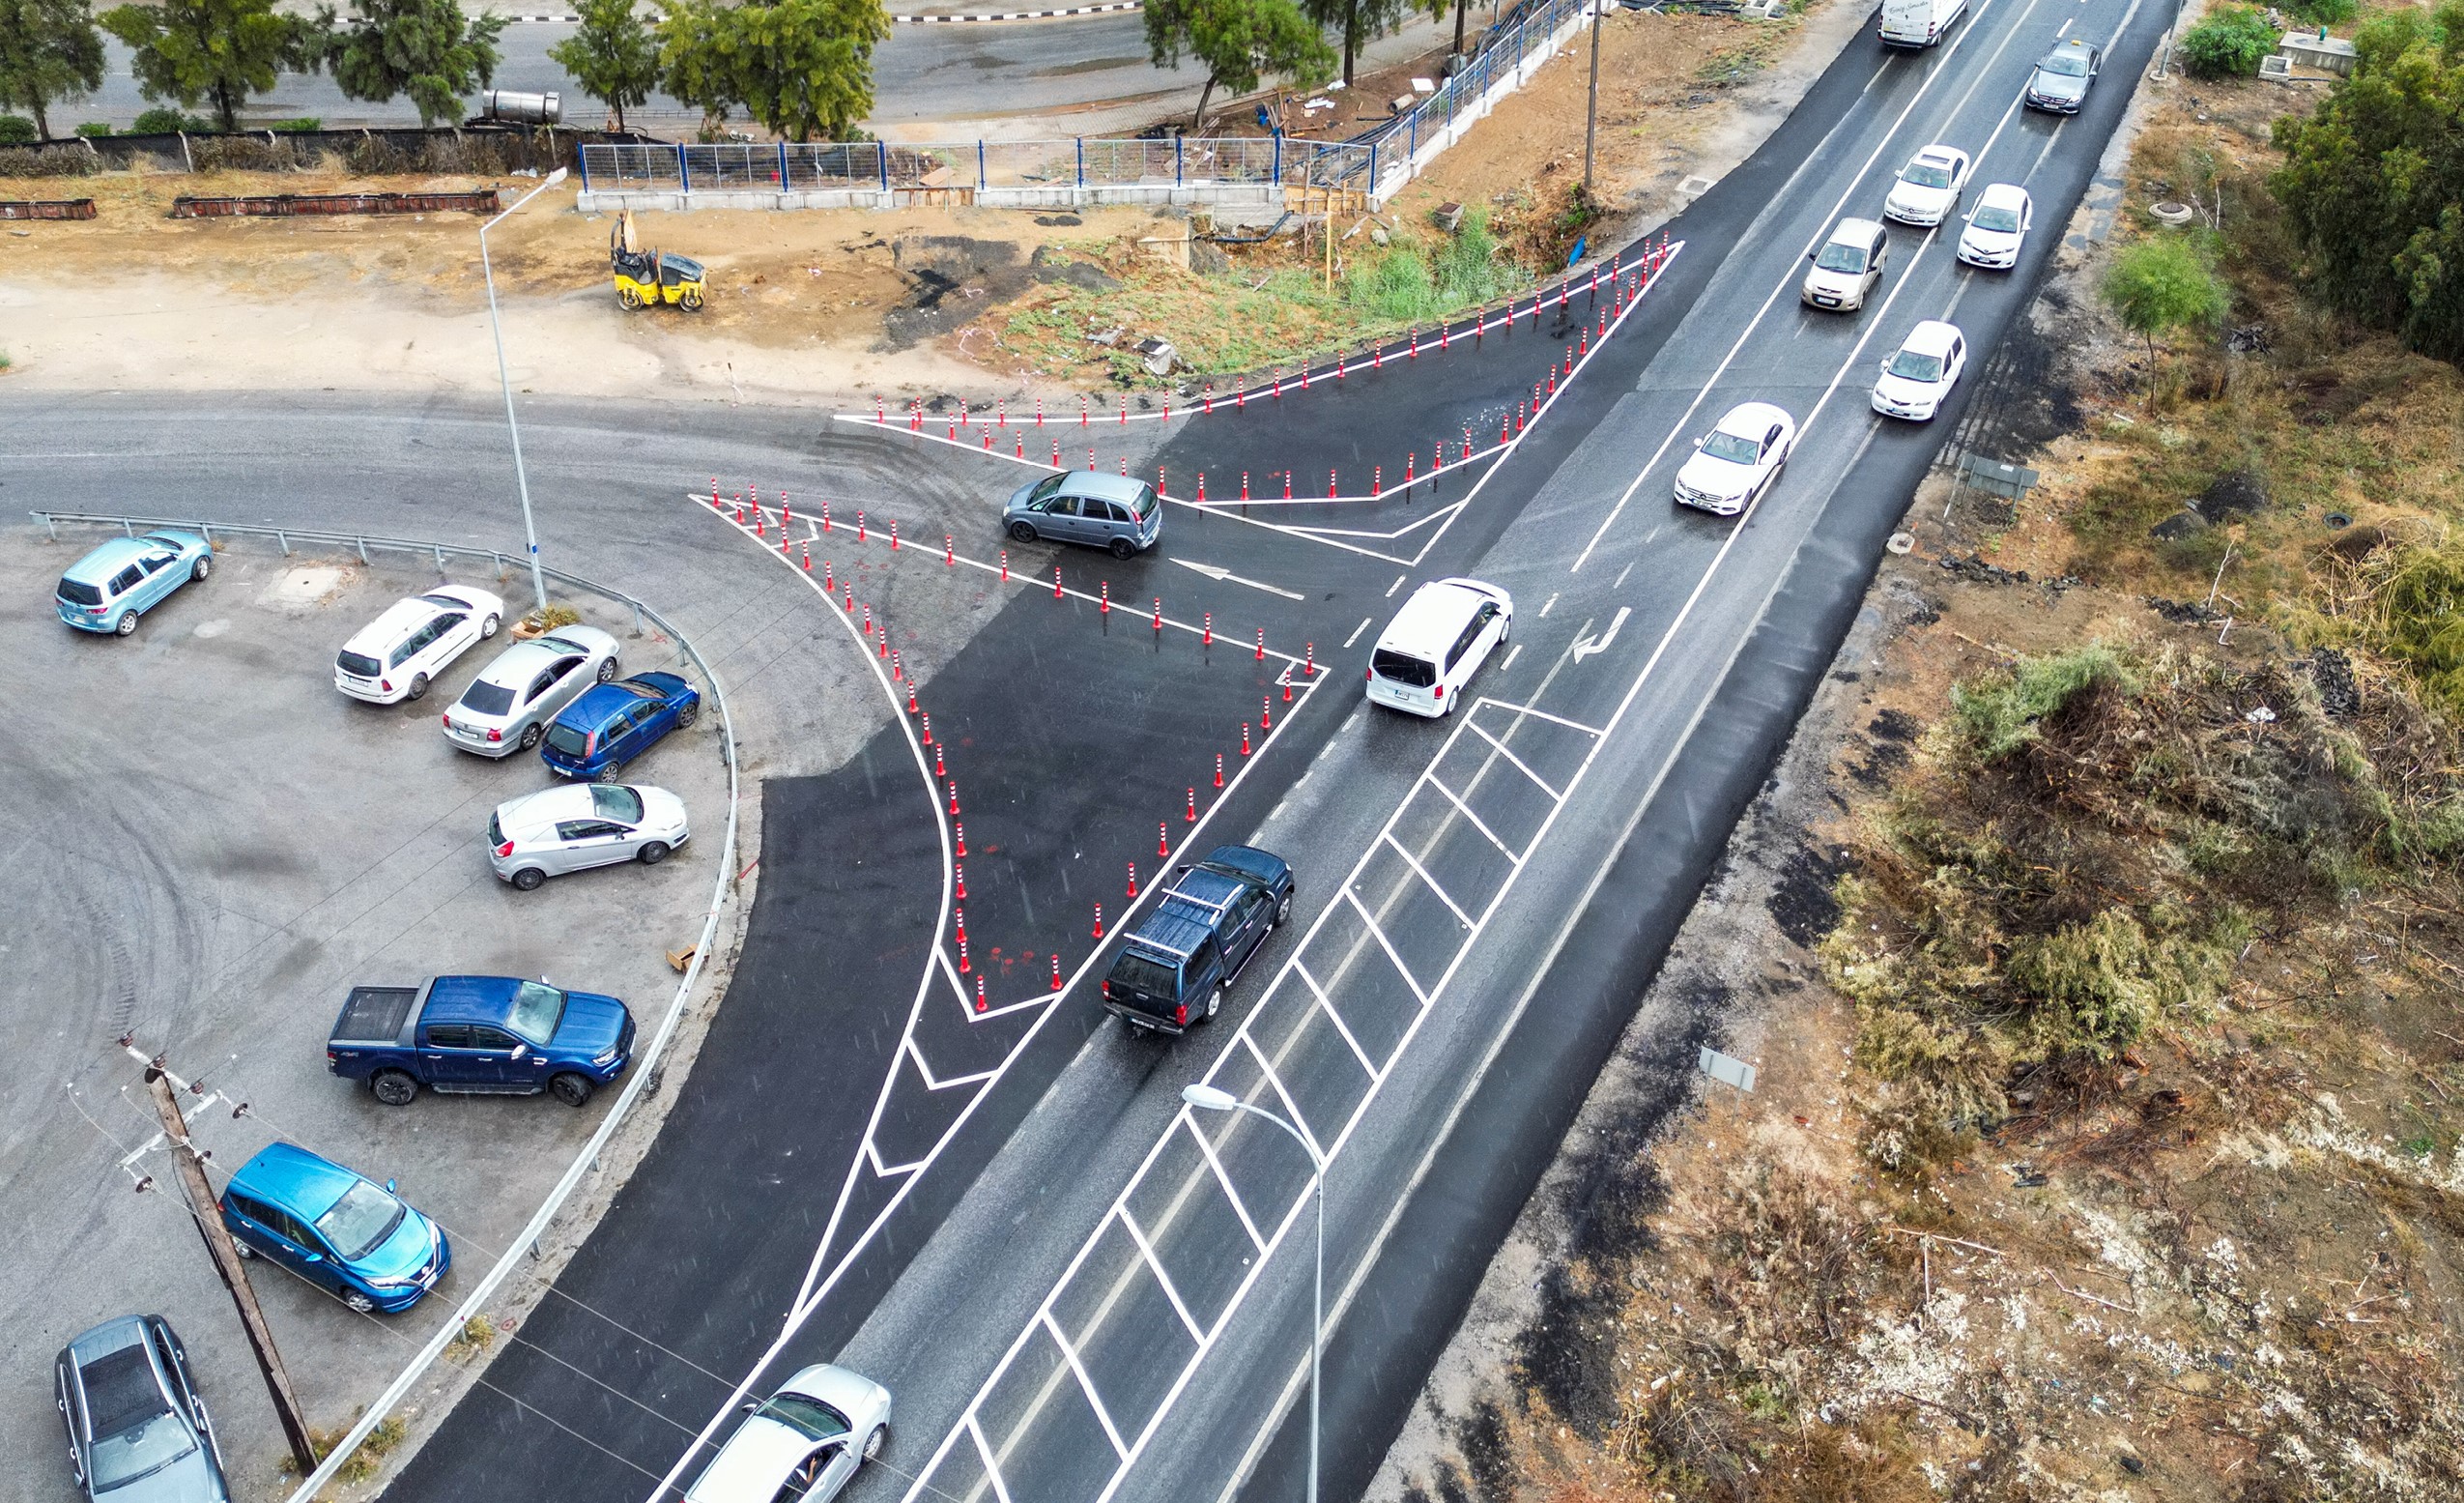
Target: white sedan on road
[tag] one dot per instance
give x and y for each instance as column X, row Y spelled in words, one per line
column 1738, row 459
column 803, row 1442
column 1928, row 186
column 1997, row 226
column 1916, row 381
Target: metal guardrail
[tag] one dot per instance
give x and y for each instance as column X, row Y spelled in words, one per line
column 1080, row 163
column 518, row 1251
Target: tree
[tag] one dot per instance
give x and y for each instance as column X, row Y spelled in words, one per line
column 1365, row 21
column 425, row 48
column 612, row 56
column 2229, row 43
column 221, row 51
column 803, row 68
column 2373, row 182
column 2157, row 286
column 1238, row 41
column 49, row 53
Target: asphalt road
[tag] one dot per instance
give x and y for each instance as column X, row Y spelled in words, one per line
column 1481, row 898
column 953, row 73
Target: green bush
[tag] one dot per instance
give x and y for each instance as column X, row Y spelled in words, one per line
column 2322, row 13
column 163, row 120
column 2008, row 709
column 1408, row 285
column 304, row 123
column 98, row 127
column 16, row 130
column 2229, row 43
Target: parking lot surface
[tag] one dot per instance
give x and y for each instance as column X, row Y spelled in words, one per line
column 208, row 847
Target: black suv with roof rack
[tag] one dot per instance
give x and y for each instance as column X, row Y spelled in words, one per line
column 1206, row 927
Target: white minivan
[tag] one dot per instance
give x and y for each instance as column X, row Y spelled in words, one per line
column 1436, row 643
column 1918, row 23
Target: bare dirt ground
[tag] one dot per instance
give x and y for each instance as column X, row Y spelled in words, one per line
column 2223, row 1261
column 821, row 307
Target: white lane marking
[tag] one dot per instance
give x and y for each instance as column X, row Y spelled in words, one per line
column 1327, row 1006
column 1227, row 576
column 1357, row 630
column 1207, row 1149
column 1397, row 585
column 1414, row 862
column 1854, row 180
column 1549, row 605
column 1511, row 653
column 1477, row 824
column 1518, row 763
column 1585, row 647
column 1384, row 943
column 1086, row 1384
column 1621, row 574
column 1541, row 714
column 1164, row 1280
column 1291, row 1108
column 992, row 1468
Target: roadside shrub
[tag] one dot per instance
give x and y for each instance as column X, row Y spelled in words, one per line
column 2229, row 42
column 33, row 161
column 1407, row 284
column 241, row 153
column 98, row 127
column 16, row 130
column 302, row 123
column 2008, row 712
column 2322, row 13
column 163, row 120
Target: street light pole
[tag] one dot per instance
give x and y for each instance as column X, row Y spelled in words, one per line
column 1207, row 1098
column 520, row 478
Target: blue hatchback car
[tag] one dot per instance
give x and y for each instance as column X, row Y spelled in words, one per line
column 109, row 589
column 338, row 1230
column 613, row 723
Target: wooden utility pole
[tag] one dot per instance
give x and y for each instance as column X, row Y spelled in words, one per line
column 226, row 1261
column 1591, row 110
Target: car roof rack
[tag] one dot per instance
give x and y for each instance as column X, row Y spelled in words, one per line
column 1192, row 898
column 1159, row 947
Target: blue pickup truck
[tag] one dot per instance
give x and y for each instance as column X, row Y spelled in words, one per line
column 1206, row 927
column 492, row 1036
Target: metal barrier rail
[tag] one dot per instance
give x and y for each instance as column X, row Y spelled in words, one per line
column 518, row 1250
column 1080, row 162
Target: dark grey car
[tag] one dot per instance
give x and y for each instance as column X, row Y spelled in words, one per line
column 2060, row 81
column 1086, row 506
column 137, row 1430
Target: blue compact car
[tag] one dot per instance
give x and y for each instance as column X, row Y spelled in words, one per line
column 334, row 1229
column 109, row 589
column 613, row 723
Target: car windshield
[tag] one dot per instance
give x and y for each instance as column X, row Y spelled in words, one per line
column 2065, row 65
column 1145, row 503
column 1842, row 255
column 145, row 1447
column 76, row 591
column 1403, row 667
column 810, row 1418
column 537, row 1008
column 611, row 801
column 1045, row 486
column 1735, row 447
column 1909, row 365
column 487, row 699
column 360, row 1221
column 1927, row 174
column 359, row 664
column 566, row 739
column 1145, row 974
column 1996, row 217
column 134, row 1430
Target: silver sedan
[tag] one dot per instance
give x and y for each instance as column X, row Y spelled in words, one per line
column 576, row 826
column 507, row 707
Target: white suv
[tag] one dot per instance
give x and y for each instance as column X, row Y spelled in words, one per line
column 392, row 658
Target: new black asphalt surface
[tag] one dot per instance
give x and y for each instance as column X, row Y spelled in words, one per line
column 1677, row 712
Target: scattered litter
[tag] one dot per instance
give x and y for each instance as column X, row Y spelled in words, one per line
column 1162, row 359
column 1423, row 86
column 1106, row 338
column 2260, row 716
column 1900, row 542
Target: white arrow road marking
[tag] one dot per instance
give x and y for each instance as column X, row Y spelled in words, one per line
column 1585, row 646
column 1211, row 572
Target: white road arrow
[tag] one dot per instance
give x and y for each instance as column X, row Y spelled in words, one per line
column 1211, row 572
column 1585, row 646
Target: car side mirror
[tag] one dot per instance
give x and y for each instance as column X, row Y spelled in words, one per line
column 388, row 1187
column 520, row 1051
column 751, row 1406
column 1885, row 368
column 312, row 1257
column 1811, row 254
column 1698, row 442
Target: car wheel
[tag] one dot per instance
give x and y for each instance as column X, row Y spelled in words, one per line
column 393, row 1087
column 609, row 773
column 241, row 1246
column 1123, row 548
column 1283, row 911
column 127, row 624
column 1213, row 1004
column 685, row 718
column 608, row 669
column 1022, row 531
column 488, row 628
column 418, row 687
column 205, row 567
column 873, row 1442
column 360, row 1303
column 570, row 1088
column 653, row 854
column 529, row 737
column 528, row 880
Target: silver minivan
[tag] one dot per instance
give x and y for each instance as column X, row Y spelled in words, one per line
column 1087, row 506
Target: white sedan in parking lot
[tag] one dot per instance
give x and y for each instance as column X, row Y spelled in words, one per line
column 1928, row 186
column 507, row 707
column 392, row 658
column 577, row 825
column 1915, row 380
column 1738, row 459
column 1997, row 226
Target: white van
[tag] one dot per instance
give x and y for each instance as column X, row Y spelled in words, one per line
column 1918, row 23
column 1436, row 643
